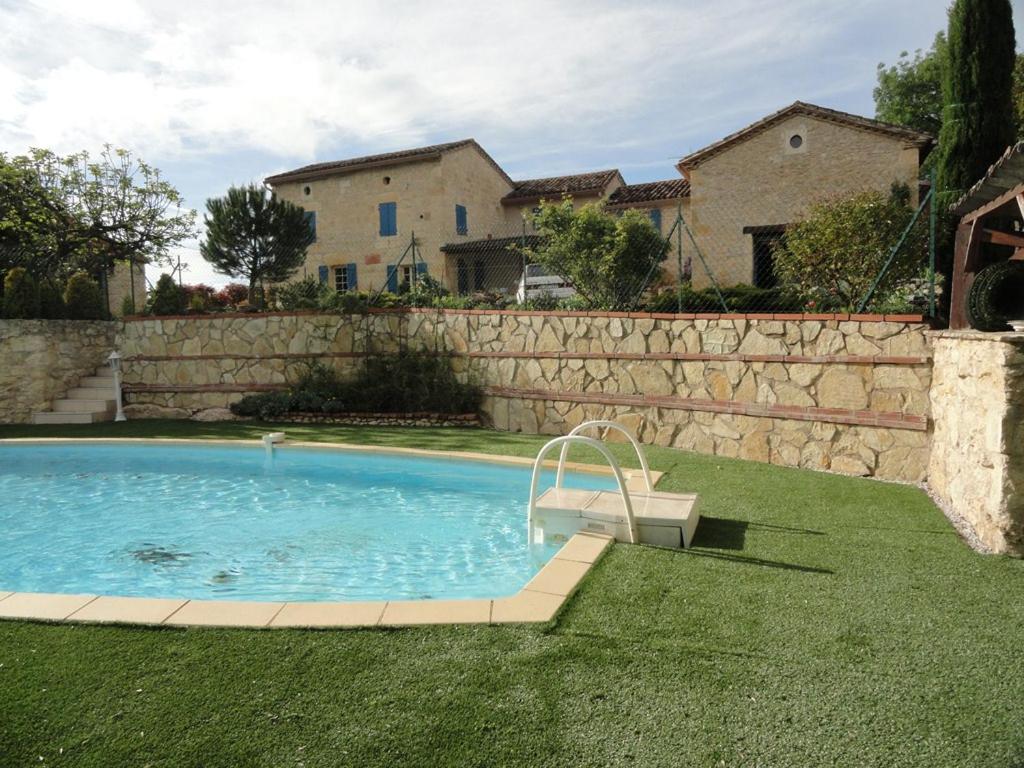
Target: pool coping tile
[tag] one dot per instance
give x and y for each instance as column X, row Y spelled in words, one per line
column 526, row 606
column 416, row 612
column 323, row 615
column 558, row 577
column 224, row 613
column 128, row 610
column 585, row 547
column 42, row 605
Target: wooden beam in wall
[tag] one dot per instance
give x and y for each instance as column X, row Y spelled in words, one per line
column 965, row 256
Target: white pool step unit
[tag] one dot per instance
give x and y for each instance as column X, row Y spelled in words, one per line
column 647, row 517
column 91, row 401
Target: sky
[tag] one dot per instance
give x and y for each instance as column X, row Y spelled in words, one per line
column 224, row 93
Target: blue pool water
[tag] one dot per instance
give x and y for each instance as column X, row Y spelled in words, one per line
column 216, row 522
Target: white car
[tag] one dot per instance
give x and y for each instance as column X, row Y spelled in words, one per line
column 537, row 283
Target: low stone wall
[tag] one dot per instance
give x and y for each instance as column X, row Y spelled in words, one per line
column 41, row 359
column 845, row 393
column 977, row 460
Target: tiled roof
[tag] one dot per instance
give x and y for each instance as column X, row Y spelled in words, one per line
column 594, row 182
column 812, row 110
column 319, row 170
column 1006, row 173
column 632, row 194
column 490, row 246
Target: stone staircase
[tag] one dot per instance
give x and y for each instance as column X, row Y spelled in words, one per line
column 91, row 401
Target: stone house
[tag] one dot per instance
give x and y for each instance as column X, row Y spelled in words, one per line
column 735, row 198
column 745, row 188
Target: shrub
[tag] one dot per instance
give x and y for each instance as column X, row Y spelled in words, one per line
column 167, row 297
column 839, row 250
column 83, row 299
column 307, row 293
column 738, row 298
column 21, row 295
column 51, row 301
column 127, row 306
column 196, row 304
column 610, row 260
column 231, row 295
column 266, row 405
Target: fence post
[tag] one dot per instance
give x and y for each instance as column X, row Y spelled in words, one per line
column 932, row 227
column 896, row 249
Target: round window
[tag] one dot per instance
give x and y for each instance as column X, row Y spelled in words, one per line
column 306, row 190
column 796, row 141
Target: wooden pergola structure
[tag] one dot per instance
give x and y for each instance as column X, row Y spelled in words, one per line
column 992, row 211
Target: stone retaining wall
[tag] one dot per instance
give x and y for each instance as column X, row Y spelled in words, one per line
column 838, row 392
column 977, row 461
column 41, row 359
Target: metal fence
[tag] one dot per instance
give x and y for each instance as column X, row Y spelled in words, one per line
column 870, row 258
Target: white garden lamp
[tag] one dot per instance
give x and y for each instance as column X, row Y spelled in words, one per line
column 115, row 366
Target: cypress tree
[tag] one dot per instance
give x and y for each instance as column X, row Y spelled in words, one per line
column 977, row 89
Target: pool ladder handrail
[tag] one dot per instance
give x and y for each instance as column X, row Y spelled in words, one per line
column 604, row 423
column 601, row 448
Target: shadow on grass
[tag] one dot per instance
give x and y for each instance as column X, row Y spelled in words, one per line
column 755, row 561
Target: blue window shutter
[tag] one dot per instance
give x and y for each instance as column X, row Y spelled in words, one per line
column 322, row 271
column 311, row 223
column 388, row 219
column 461, row 223
column 421, row 268
column 656, row 218
column 351, row 269
column 392, row 278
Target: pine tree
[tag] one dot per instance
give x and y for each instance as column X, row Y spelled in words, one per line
column 252, row 233
column 977, row 90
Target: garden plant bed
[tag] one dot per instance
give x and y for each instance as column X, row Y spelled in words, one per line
column 384, row 419
column 817, row 620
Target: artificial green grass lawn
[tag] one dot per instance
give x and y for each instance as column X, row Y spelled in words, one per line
column 817, row 621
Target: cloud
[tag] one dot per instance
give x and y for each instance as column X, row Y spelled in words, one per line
column 290, row 79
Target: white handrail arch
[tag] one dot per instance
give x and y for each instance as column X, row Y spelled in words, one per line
column 538, row 466
column 610, row 425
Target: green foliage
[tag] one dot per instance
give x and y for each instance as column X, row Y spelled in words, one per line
column 834, row 255
column 51, row 301
column 609, row 260
column 738, row 298
column 909, row 92
column 83, row 299
column 253, row 234
column 406, row 382
column 167, row 297
column 62, row 214
column 21, row 295
column 197, row 304
column 127, row 306
column 977, row 92
column 307, row 293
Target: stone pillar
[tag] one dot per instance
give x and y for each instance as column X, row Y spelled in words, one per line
column 977, row 459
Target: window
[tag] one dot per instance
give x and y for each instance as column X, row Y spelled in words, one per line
column 406, row 275
column 311, row 223
column 461, row 223
column 765, row 241
column 345, row 277
column 655, row 214
column 796, row 141
column 307, row 190
column 388, row 219
column 400, row 276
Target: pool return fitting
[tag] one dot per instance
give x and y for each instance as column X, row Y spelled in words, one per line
column 638, row 517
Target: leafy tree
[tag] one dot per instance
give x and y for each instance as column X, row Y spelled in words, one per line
column 61, row 214
column 977, row 92
column 167, row 297
column 834, row 255
column 253, row 234
column 609, row 260
column 51, row 300
column 21, row 295
column 83, row 299
column 909, row 92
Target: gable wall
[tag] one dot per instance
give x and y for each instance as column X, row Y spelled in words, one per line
column 762, row 181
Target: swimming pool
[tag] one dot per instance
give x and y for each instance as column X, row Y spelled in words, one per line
column 223, row 522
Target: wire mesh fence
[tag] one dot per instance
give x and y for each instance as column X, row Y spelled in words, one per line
column 872, row 252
